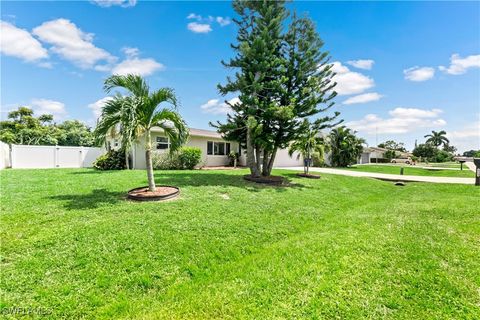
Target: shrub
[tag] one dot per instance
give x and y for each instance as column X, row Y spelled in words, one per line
column 189, row 157
column 165, row 161
column 318, row 160
column 442, row 156
column 233, row 157
column 380, row 160
column 112, row 160
column 390, row 154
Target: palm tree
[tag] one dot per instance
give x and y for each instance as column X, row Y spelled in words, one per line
column 437, row 138
column 345, row 146
column 118, row 120
column 307, row 144
column 138, row 112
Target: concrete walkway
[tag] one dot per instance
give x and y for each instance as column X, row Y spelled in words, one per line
column 384, row 176
column 471, row 166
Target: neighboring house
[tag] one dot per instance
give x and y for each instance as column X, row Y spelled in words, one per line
column 370, row 154
column 215, row 150
column 376, row 154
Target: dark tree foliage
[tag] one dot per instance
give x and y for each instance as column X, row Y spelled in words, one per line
column 282, row 77
column 345, row 147
column 393, row 145
column 22, row 127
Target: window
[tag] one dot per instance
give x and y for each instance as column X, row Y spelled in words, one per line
column 218, row 148
column 162, row 143
column 210, row 147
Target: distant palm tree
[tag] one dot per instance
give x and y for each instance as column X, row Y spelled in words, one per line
column 437, row 138
column 136, row 113
column 307, row 144
column 345, row 147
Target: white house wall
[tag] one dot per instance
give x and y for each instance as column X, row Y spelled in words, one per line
column 193, row 141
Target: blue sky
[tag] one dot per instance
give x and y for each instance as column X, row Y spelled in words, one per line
column 404, row 69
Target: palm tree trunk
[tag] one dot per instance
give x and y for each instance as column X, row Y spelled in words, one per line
column 148, row 158
column 127, row 163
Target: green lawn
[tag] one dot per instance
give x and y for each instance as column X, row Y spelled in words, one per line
column 413, row 171
column 337, row 247
column 450, row 164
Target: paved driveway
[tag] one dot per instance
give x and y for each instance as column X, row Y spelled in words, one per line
column 388, row 177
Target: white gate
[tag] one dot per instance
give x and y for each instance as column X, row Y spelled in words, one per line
column 26, row 156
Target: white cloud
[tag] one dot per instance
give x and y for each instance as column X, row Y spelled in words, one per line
column 401, row 120
column 20, row 43
column 134, row 65
column 467, row 138
column 194, row 16
column 223, row 21
column 71, row 43
column 349, row 82
column 131, row 52
column 97, row 106
column 143, row 67
column 419, row 73
column 366, row 64
column 414, row 113
column 215, row 106
column 460, row 65
column 42, row 106
column 110, row 3
column 363, row 98
column 203, row 24
column 199, row 27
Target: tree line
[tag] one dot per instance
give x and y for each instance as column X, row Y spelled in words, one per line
column 23, row 127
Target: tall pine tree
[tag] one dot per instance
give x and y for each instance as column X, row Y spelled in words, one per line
column 281, row 79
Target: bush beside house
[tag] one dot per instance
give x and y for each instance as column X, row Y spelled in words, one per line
column 112, row 160
column 185, row 158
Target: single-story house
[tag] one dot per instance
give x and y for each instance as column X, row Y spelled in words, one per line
column 214, row 148
column 376, row 154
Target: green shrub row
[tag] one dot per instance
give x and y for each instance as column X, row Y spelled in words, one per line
column 185, row 158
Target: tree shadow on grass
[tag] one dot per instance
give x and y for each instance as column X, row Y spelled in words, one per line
column 94, row 171
column 92, row 200
column 199, row 178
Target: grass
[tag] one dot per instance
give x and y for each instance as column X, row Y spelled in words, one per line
column 450, row 164
column 413, row 171
column 337, row 247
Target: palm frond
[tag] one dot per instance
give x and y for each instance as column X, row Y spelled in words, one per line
column 174, row 126
column 135, row 84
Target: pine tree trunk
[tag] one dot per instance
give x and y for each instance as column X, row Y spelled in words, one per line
column 265, row 162
column 271, row 161
column 258, row 162
column 251, row 155
column 148, row 158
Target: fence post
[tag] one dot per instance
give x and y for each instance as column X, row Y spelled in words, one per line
column 55, row 156
column 81, row 157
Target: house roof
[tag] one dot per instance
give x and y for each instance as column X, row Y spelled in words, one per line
column 372, row 149
column 197, row 132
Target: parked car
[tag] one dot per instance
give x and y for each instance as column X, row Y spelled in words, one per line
column 408, row 161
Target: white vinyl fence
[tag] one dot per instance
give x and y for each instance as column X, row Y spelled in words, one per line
column 4, row 156
column 24, row 156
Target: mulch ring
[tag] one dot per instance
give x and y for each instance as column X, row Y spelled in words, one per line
column 308, row 175
column 270, row 180
column 161, row 193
